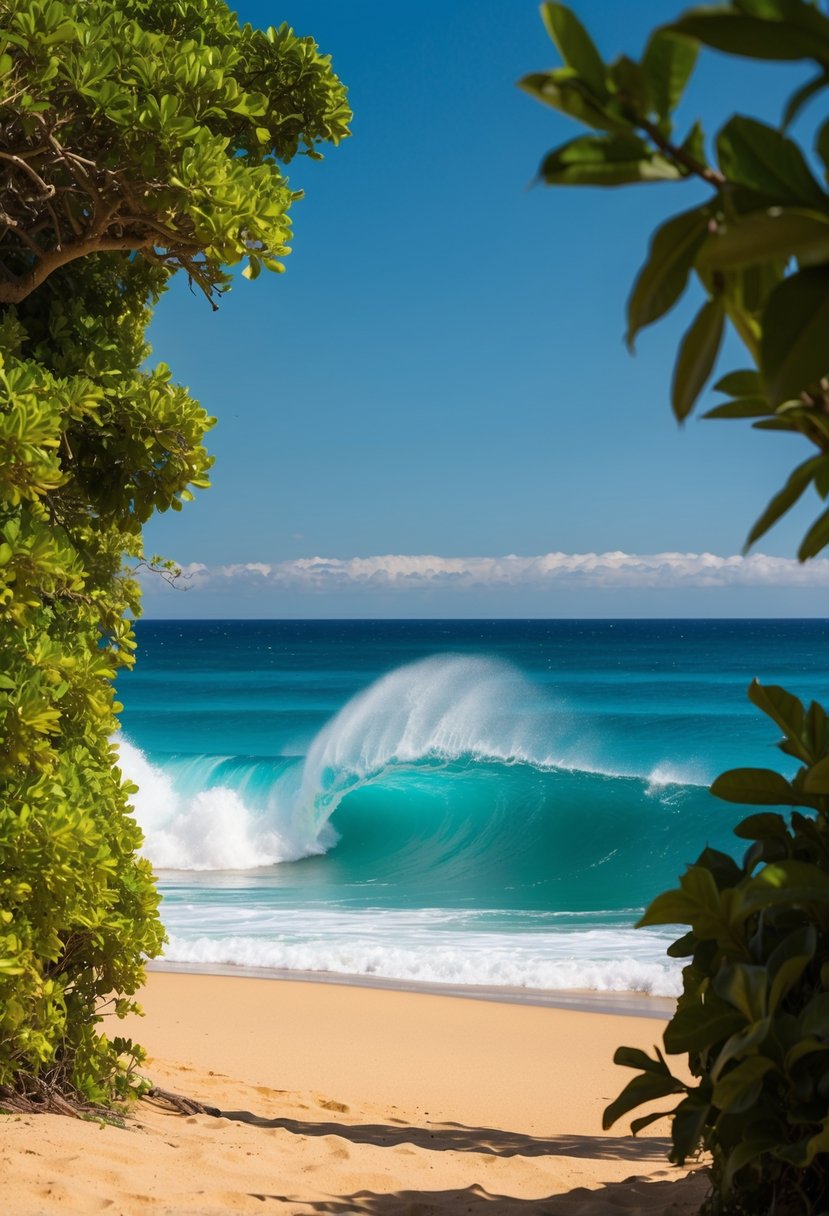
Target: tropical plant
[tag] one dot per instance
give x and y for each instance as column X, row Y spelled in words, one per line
column 135, row 139
column 753, row 1017
column 758, row 242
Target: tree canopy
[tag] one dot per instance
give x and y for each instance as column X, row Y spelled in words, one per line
column 136, row 139
column 159, row 129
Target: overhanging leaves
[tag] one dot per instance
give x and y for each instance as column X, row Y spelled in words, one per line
column 794, row 353
column 697, row 356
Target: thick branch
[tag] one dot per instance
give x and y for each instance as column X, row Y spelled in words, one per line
column 24, row 285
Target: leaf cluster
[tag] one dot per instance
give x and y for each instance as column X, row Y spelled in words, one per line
column 753, row 1016
column 758, row 243
column 155, row 128
column 136, row 138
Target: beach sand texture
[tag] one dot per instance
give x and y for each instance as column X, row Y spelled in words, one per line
column 342, row 1100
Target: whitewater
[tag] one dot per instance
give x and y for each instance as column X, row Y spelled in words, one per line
column 462, row 803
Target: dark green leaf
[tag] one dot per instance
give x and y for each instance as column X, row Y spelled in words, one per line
column 799, row 479
column 781, row 706
column 778, row 233
column 803, row 95
column 741, row 1044
column 743, row 383
column 816, row 538
column 744, row 986
column 816, row 780
column 667, row 64
column 694, row 144
column 794, row 352
column 663, row 278
column 750, row 36
column 687, row 1128
column 643, row 1088
column 788, row 961
column 739, row 1089
column 697, row 355
column 697, row 1027
column 634, row 1057
column 741, row 407
column 765, row 826
column 762, row 158
column 575, row 46
column 789, row 883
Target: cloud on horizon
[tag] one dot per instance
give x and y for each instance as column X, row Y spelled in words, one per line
column 404, row 572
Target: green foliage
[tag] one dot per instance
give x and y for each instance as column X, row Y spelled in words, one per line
column 757, row 246
column 753, row 1016
column 159, row 128
column 112, row 108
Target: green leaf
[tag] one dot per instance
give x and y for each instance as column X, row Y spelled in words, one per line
column 764, row 826
column 816, row 538
column 816, row 780
column 563, row 92
column 803, row 95
column 687, row 1128
column 787, row 883
column 697, row 355
column 740, row 1088
column 575, row 46
column 644, row 1088
column 751, row 37
column 664, row 276
column 799, row 479
column 741, row 407
column 696, row 1027
column 741, row 1044
column 605, row 160
column 634, row 1057
column 668, row 62
column 744, row 383
column 697, row 902
column 762, row 158
column 794, row 352
column 754, row 786
column 761, row 236
column 788, row 961
column 781, row 706
column 745, row 986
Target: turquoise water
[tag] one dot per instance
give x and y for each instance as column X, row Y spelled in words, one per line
column 462, row 802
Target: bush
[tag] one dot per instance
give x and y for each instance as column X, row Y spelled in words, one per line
column 136, row 139
column 754, row 1011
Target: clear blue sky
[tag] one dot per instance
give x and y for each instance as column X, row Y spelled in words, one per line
column 441, row 370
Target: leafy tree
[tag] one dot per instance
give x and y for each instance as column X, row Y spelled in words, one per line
column 753, row 1016
column 136, row 139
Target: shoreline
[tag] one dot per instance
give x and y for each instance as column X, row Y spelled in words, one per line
column 580, row 1000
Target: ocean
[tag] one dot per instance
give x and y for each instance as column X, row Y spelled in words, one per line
column 470, row 803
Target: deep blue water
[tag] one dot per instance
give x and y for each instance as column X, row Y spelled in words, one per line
column 460, row 801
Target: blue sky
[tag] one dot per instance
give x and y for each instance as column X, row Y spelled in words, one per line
column 441, row 370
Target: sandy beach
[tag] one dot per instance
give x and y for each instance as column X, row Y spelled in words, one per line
column 348, row 1099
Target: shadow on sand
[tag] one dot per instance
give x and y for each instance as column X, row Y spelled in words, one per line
column 636, row 1195
column 456, row 1138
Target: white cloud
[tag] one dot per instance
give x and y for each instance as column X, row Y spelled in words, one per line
column 407, row 572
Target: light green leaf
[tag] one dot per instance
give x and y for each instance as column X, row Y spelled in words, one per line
column 575, row 46
column 667, row 63
column 605, row 160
